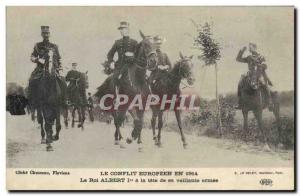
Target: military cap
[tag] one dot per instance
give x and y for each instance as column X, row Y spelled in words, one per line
column 158, row 39
column 253, row 45
column 123, row 24
column 45, row 29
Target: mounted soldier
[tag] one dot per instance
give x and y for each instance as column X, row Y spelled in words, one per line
column 47, row 87
column 163, row 63
column 125, row 48
column 72, row 78
column 256, row 65
column 78, row 83
column 40, row 56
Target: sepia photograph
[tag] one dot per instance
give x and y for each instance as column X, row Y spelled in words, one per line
column 150, row 98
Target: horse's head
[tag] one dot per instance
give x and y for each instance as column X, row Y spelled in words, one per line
column 144, row 49
column 185, row 66
column 253, row 79
column 51, row 62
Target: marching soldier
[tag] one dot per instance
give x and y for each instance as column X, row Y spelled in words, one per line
column 254, row 60
column 41, row 57
column 125, row 48
column 163, row 64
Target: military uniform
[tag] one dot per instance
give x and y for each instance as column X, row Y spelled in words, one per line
column 162, row 59
column 125, row 48
column 41, row 51
column 73, row 77
column 255, row 60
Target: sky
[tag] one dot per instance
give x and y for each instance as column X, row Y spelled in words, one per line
column 85, row 35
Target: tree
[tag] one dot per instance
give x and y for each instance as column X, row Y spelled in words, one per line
column 210, row 54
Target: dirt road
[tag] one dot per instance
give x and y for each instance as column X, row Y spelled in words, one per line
column 94, row 147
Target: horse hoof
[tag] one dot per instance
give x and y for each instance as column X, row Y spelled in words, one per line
column 122, row 146
column 140, row 149
column 154, row 137
column 43, row 141
column 266, row 148
column 55, row 138
column 128, row 141
column 49, row 148
column 185, row 145
column 159, row 144
column 79, row 125
column 116, row 142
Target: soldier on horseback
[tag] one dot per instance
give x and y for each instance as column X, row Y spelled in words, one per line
column 256, row 65
column 163, row 63
column 47, row 87
column 40, row 56
column 125, row 48
column 72, row 77
column 77, row 93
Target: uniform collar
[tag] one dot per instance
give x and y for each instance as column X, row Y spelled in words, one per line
column 46, row 41
column 125, row 37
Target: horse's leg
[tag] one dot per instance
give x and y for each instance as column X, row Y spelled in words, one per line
column 258, row 116
column 40, row 121
column 139, row 127
column 153, row 122
column 73, row 116
column 32, row 114
column 245, row 125
column 78, row 108
column 82, row 116
column 178, row 118
column 276, row 112
column 49, row 116
column 118, row 120
column 65, row 114
column 160, row 125
column 117, row 131
column 58, row 124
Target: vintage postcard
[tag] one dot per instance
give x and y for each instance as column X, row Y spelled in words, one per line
column 150, row 98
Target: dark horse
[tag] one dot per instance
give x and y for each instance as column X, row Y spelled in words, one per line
column 50, row 96
column 254, row 97
column 131, row 84
column 169, row 85
column 77, row 97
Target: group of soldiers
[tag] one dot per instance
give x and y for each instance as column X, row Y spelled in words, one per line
column 125, row 48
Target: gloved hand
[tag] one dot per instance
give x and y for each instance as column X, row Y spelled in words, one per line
column 163, row 67
column 42, row 61
column 112, row 65
column 129, row 54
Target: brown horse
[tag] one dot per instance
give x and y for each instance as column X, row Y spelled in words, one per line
column 169, row 85
column 254, row 97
